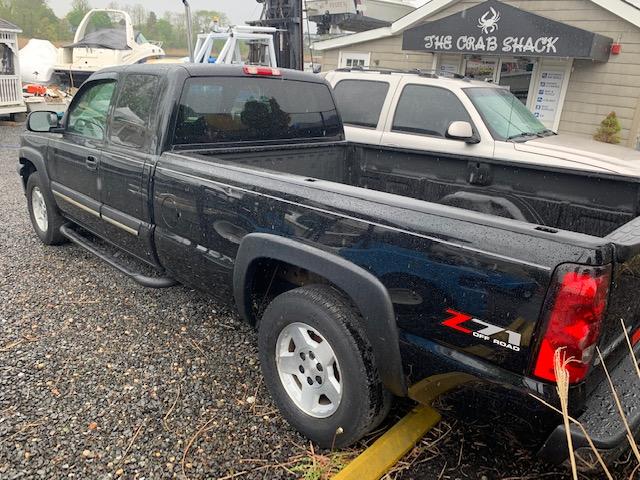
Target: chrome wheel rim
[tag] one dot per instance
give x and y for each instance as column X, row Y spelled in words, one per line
column 309, row 370
column 39, row 208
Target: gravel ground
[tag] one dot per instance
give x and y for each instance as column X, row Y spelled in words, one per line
column 102, row 378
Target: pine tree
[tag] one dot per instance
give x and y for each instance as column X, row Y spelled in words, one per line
column 609, row 129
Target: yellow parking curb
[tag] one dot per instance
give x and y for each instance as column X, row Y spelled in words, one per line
column 385, row 452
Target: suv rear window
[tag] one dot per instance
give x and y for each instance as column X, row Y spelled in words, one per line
column 360, row 101
column 245, row 109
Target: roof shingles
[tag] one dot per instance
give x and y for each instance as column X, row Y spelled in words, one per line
column 5, row 25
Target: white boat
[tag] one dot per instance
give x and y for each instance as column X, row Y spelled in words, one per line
column 105, row 37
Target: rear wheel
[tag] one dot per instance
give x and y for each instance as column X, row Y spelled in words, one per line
column 18, row 117
column 319, row 367
column 45, row 218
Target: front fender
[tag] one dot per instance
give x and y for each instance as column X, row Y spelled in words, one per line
column 34, row 155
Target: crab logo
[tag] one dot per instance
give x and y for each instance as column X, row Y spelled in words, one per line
column 489, row 24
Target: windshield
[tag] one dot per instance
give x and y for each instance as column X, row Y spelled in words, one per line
column 506, row 117
column 103, row 30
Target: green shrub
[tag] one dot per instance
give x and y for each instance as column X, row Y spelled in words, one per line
column 609, row 129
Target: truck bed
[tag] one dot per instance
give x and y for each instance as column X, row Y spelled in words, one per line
column 573, row 200
column 482, row 261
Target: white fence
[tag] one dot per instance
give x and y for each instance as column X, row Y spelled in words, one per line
column 10, row 90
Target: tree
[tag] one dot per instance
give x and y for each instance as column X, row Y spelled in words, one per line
column 79, row 8
column 34, row 17
column 138, row 14
column 164, row 32
column 37, row 20
column 152, row 20
column 202, row 20
column 609, row 130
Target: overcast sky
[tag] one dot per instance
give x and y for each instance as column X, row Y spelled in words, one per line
column 238, row 11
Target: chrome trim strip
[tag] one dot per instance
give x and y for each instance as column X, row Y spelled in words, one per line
column 96, row 213
column 76, row 203
column 120, row 225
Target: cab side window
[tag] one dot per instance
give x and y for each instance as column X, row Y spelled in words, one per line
column 88, row 114
column 134, row 111
column 427, row 110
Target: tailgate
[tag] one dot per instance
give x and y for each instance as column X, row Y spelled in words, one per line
column 601, row 418
column 624, row 297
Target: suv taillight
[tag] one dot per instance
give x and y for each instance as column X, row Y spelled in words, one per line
column 576, row 307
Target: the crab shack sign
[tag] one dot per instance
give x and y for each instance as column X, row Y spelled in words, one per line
column 495, row 28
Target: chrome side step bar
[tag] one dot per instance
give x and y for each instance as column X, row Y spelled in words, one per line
column 144, row 280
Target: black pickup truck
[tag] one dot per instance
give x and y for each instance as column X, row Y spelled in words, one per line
column 364, row 269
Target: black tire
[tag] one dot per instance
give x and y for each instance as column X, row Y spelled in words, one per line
column 52, row 235
column 364, row 402
column 18, row 117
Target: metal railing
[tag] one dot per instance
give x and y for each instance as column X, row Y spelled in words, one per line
column 10, row 90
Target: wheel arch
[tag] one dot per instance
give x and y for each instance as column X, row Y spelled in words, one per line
column 367, row 293
column 31, row 160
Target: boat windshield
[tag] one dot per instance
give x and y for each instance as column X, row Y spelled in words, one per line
column 506, row 117
column 104, row 30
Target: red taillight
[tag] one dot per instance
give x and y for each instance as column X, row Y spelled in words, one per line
column 258, row 70
column 635, row 338
column 576, row 310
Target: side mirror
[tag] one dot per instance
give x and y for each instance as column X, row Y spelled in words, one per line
column 462, row 131
column 42, row 121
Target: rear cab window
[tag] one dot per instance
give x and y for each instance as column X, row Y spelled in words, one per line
column 220, row 110
column 427, row 110
column 360, row 101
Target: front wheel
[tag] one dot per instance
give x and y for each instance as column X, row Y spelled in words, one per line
column 319, row 366
column 45, row 218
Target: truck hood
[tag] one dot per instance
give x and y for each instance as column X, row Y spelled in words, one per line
column 585, row 152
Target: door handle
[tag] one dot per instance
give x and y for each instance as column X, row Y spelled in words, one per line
column 91, row 162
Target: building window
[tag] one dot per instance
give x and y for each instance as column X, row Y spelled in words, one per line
column 6, row 60
column 354, row 59
column 516, row 74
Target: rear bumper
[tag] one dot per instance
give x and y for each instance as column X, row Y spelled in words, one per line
column 601, row 418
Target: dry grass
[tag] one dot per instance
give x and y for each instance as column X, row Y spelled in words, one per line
column 560, row 363
column 311, row 465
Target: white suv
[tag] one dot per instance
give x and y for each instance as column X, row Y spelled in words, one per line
column 462, row 117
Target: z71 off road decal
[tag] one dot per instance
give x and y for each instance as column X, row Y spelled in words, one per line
column 480, row 329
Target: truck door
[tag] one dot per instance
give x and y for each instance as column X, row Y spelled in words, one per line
column 74, row 163
column 126, row 156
